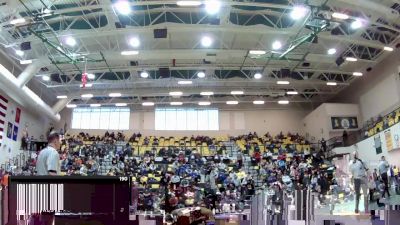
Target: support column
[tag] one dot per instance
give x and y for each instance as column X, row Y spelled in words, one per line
column 28, row 73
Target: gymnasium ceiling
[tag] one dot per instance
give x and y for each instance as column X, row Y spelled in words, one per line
column 101, row 32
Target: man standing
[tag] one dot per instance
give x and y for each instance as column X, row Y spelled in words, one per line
column 359, row 179
column 48, row 162
column 383, row 171
column 323, row 145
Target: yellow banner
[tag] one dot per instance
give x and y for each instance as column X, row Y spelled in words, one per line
column 389, row 141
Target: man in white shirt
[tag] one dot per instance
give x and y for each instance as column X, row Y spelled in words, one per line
column 360, row 180
column 383, row 171
column 48, row 162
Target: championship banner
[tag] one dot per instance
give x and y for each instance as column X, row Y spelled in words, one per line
column 341, row 123
column 396, row 136
column 378, row 145
column 389, row 141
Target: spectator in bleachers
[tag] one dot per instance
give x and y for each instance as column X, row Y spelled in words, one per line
column 345, row 138
column 323, row 145
column 218, row 173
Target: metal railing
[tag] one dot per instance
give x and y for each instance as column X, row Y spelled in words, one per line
column 359, row 135
column 290, row 147
column 139, row 150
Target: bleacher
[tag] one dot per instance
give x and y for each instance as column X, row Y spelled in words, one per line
column 392, row 118
column 266, row 144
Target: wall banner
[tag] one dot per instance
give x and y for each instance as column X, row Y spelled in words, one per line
column 378, row 144
column 388, row 140
column 341, row 123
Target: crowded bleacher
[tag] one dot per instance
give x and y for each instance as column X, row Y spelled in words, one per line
column 176, row 172
column 376, row 125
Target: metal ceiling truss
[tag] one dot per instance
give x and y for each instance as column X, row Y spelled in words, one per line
column 93, row 23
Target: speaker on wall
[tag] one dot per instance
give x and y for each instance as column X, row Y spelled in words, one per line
column 339, row 61
column 26, row 46
column 285, row 72
column 160, row 33
column 164, row 72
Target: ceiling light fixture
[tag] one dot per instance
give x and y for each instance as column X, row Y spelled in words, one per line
column 283, row 102
column 129, row 52
column 70, row 41
column 276, row 45
column 115, row 95
column 257, row 52
column 389, row 49
column 91, row 76
column 134, row 42
column 206, row 41
column 17, row 21
column 298, row 12
column 175, row 93
column 357, row 74
column 331, row 83
column 45, row 78
column 351, row 59
column 176, row 103
column 95, row 105
column 185, row 82
column 120, row 104
column 201, row 74
column 292, row 92
column 207, row 93
column 204, row 103
column 62, row 97
column 188, row 3
column 147, row 103
column 232, row 102
column 258, row 102
column 87, row 96
column 86, row 86
column 47, row 11
column 237, row 92
column 19, row 52
column 340, row 16
column 283, row 82
column 356, row 24
column 144, row 74
column 123, row 7
column 71, row 106
column 25, row 62
column 257, row 76
column 331, row 51
column 212, row 6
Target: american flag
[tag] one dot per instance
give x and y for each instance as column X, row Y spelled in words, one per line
column 3, row 112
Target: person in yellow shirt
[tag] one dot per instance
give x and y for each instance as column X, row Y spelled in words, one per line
column 396, row 175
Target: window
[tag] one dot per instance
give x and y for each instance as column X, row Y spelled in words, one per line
column 186, row 119
column 101, row 118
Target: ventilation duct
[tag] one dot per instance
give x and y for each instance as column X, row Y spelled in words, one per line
column 24, row 96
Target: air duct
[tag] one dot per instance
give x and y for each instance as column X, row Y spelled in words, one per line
column 24, row 96
column 60, row 105
column 29, row 73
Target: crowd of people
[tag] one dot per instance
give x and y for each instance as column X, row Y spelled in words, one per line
column 380, row 123
column 173, row 177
